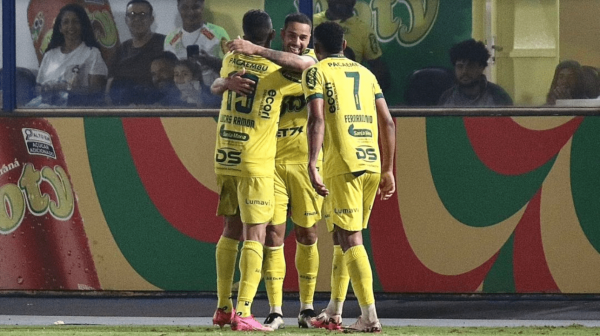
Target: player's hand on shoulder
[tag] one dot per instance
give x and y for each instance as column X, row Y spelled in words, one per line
column 242, row 46
column 387, row 186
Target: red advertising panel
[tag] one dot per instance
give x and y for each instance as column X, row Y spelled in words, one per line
column 43, row 245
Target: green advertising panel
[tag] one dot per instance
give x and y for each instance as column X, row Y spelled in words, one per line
column 413, row 34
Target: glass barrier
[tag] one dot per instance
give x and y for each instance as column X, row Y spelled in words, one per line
column 532, row 53
column 120, row 55
column 541, row 53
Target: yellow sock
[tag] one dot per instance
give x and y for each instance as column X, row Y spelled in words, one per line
column 339, row 276
column 307, row 264
column 274, row 273
column 226, row 254
column 250, row 270
column 359, row 269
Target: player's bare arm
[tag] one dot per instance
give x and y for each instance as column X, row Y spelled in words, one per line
column 235, row 82
column 387, row 131
column 209, row 60
column 315, row 133
column 288, row 60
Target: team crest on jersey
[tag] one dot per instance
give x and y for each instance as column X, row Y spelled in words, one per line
column 373, row 43
column 311, row 78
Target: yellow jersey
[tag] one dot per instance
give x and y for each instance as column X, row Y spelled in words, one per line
column 349, row 91
column 292, row 144
column 359, row 36
column 247, row 125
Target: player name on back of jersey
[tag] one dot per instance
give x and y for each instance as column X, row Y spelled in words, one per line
column 239, row 121
column 352, row 118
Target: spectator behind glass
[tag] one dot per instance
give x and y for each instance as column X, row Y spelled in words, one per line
column 188, row 79
column 362, row 44
column 165, row 93
column 130, row 78
column 470, row 58
column 567, row 83
column 72, row 71
column 209, row 37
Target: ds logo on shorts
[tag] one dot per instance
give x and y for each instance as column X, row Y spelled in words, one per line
column 228, row 156
column 366, row 153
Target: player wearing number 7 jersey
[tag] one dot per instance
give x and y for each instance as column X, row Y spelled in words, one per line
column 345, row 108
column 252, row 89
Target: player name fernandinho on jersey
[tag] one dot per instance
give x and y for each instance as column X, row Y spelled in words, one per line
column 238, row 121
column 249, row 65
column 352, row 118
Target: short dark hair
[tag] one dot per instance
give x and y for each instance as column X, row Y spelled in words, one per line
column 146, row 2
column 257, row 25
column 470, row 50
column 297, row 17
column 87, row 31
column 330, row 36
column 193, row 66
column 166, row 56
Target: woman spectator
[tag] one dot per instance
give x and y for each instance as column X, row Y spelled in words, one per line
column 72, row 71
column 567, row 83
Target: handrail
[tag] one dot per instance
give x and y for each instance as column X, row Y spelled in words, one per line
column 397, row 112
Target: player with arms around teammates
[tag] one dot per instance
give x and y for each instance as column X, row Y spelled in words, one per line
column 346, row 111
column 292, row 184
column 252, row 88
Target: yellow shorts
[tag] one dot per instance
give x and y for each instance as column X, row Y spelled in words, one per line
column 350, row 200
column 293, row 189
column 251, row 196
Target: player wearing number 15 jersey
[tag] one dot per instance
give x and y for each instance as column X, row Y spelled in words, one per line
column 245, row 163
column 293, row 193
column 346, row 107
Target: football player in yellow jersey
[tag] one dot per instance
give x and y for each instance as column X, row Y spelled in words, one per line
column 362, row 42
column 244, row 163
column 346, row 112
column 292, row 185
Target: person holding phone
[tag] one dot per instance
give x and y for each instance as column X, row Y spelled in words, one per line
column 209, row 38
